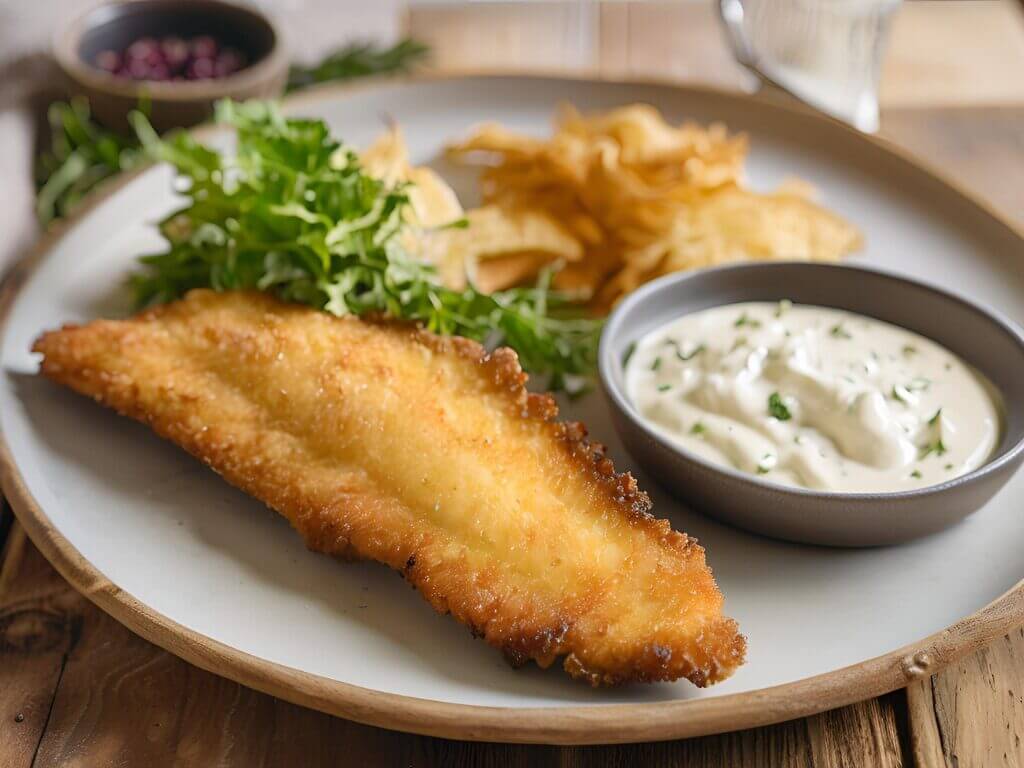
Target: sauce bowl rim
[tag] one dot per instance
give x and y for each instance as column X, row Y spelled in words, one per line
column 618, row 323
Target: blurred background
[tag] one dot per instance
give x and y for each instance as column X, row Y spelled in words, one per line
column 853, row 58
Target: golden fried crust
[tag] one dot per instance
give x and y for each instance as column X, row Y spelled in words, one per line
column 381, row 441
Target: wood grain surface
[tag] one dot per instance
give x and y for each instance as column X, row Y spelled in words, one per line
column 79, row 689
column 939, row 52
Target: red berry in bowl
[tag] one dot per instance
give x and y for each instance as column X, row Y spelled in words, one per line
column 172, row 58
column 200, row 69
column 143, row 49
column 204, row 47
column 175, row 52
column 228, row 62
column 138, row 69
column 108, row 61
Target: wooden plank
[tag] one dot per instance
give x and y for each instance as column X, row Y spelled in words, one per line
column 925, row 740
column 972, row 713
column 38, row 629
column 863, row 734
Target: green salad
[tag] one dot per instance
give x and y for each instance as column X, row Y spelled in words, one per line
column 292, row 212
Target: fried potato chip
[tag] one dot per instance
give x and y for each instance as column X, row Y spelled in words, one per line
column 433, row 202
column 643, row 198
column 388, row 157
column 733, row 225
column 501, row 272
column 497, row 231
column 705, row 157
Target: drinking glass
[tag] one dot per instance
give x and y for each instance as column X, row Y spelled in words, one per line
column 826, row 53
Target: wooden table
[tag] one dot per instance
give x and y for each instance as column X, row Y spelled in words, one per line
column 77, row 689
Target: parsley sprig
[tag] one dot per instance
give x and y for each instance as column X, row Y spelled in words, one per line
column 292, row 212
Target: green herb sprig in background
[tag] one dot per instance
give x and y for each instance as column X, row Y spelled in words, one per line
column 293, row 213
column 359, row 60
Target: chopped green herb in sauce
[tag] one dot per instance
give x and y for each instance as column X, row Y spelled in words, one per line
column 745, row 320
column 814, row 410
column 777, row 408
column 899, row 392
column 687, row 356
column 837, row 331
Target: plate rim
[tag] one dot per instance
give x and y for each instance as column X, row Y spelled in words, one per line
column 579, row 724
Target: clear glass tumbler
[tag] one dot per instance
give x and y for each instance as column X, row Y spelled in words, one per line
column 826, row 53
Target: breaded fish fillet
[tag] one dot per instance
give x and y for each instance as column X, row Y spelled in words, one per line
column 382, row 441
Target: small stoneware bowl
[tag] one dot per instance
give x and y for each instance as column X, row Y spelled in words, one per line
column 171, row 104
column 993, row 345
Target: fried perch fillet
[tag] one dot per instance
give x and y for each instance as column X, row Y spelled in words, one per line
column 381, row 441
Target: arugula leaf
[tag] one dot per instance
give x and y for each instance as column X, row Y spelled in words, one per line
column 81, row 155
column 937, row 447
column 293, row 213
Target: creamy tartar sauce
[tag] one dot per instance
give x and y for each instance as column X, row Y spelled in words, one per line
column 814, row 397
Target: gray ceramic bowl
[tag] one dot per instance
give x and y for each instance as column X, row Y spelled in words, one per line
column 991, row 344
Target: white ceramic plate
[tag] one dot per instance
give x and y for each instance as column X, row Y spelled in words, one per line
column 171, row 550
